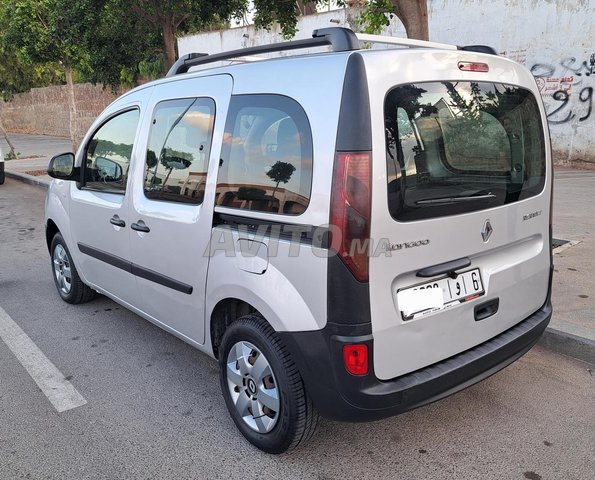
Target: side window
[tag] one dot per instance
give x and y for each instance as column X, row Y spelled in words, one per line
column 178, row 152
column 109, row 152
column 266, row 156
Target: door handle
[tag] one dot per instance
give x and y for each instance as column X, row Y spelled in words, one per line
column 140, row 227
column 117, row 221
column 447, row 267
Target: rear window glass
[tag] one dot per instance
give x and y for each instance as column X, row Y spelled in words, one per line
column 456, row 147
column 266, row 159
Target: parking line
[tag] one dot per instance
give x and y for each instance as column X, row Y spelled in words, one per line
column 59, row 391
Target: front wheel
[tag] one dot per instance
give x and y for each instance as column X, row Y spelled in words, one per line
column 70, row 286
column 262, row 387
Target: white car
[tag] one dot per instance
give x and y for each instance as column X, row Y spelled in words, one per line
column 353, row 233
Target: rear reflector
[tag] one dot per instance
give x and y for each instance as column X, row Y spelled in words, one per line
column 474, row 67
column 356, row 359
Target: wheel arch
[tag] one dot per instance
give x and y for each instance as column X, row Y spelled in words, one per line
column 50, row 231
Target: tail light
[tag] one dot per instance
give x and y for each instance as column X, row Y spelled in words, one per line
column 356, row 359
column 350, row 211
column 474, row 67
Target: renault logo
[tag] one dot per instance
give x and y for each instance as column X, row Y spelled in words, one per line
column 486, row 231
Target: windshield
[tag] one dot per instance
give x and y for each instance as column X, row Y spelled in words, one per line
column 456, row 147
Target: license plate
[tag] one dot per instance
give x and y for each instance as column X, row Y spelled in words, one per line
column 439, row 294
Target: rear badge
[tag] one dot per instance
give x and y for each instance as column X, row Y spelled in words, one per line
column 400, row 246
column 486, row 231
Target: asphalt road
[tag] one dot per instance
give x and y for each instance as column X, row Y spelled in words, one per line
column 154, row 409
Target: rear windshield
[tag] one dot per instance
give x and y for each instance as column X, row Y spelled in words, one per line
column 456, row 147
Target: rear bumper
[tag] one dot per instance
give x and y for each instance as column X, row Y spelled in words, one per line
column 339, row 395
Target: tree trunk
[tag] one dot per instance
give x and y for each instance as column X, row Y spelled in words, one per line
column 306, row 7
column 10, row 145
column 73, row 123
column 169, row 41
column 414, row 15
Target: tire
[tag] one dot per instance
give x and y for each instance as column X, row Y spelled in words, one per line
column 248, row 384
column 1, row 171
column 68, row 283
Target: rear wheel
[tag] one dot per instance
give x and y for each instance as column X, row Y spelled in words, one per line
column 1, row 171
column 70, row 287
column 262, row 387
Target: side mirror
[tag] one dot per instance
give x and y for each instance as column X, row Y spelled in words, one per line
column 62, row 167
column 107, row 170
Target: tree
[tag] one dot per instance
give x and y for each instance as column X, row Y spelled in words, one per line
column 171, row 17
column 47, row 31
column 375, row 14
column 412, row 13
column 280, row 172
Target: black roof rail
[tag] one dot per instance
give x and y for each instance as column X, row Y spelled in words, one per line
column 479, row 49
column 339, row 38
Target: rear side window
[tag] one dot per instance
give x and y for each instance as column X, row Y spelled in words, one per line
column 456, row 147
column 266, row 160
column 178, row 152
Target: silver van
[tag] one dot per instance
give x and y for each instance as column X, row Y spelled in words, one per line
column 353, row 233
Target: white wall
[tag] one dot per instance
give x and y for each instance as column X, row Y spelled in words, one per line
column 553, row 38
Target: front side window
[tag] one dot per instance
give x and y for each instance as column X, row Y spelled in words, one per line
column 456, row 147
column 266, row 156
column 109, row 152
column 179, row 148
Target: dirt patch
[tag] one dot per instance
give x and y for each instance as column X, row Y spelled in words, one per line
column 37, row 173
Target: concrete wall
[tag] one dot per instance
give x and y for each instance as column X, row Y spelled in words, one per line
column 44, row 111
column 555, row 39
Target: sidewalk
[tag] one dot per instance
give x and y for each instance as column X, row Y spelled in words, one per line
column 572, row 329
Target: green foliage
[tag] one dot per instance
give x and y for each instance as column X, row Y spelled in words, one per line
column 152, row 68
column 375, row 15
column 11, row 155
column 284, row 12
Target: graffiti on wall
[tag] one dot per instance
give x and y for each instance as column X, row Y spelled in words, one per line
column 569, row 85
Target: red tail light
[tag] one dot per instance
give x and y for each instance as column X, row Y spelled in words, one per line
column 356, row 359
column 350, row 211
column 474, row 67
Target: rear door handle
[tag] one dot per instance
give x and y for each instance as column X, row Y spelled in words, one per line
column 442, row 268
column 140, row 227
column 117, row 221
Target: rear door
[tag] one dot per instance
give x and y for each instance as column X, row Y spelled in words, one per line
column 172, row 206
column 460, row 219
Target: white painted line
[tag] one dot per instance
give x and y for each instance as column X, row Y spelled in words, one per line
column 60, row 392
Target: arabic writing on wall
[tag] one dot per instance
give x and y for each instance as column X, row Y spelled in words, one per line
column 569, row 86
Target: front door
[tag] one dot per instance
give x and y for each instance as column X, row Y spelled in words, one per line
column 99, row 205
column 172, row 205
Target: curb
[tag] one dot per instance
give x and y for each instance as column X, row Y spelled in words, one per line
column 26, row 178
column 553, row 339
column 568, row 344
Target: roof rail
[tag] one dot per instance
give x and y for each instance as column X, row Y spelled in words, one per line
column 410, row 42
column 340, row 39
column 404, row 42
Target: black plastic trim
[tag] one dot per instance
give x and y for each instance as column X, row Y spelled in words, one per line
column 446, row 267
column 134, row 269
column 108, row 258
column 341, row 396
column 308, row 234
column 354, row 133
column 479, row 48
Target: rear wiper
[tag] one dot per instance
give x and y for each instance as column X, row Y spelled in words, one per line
column 461, row 198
